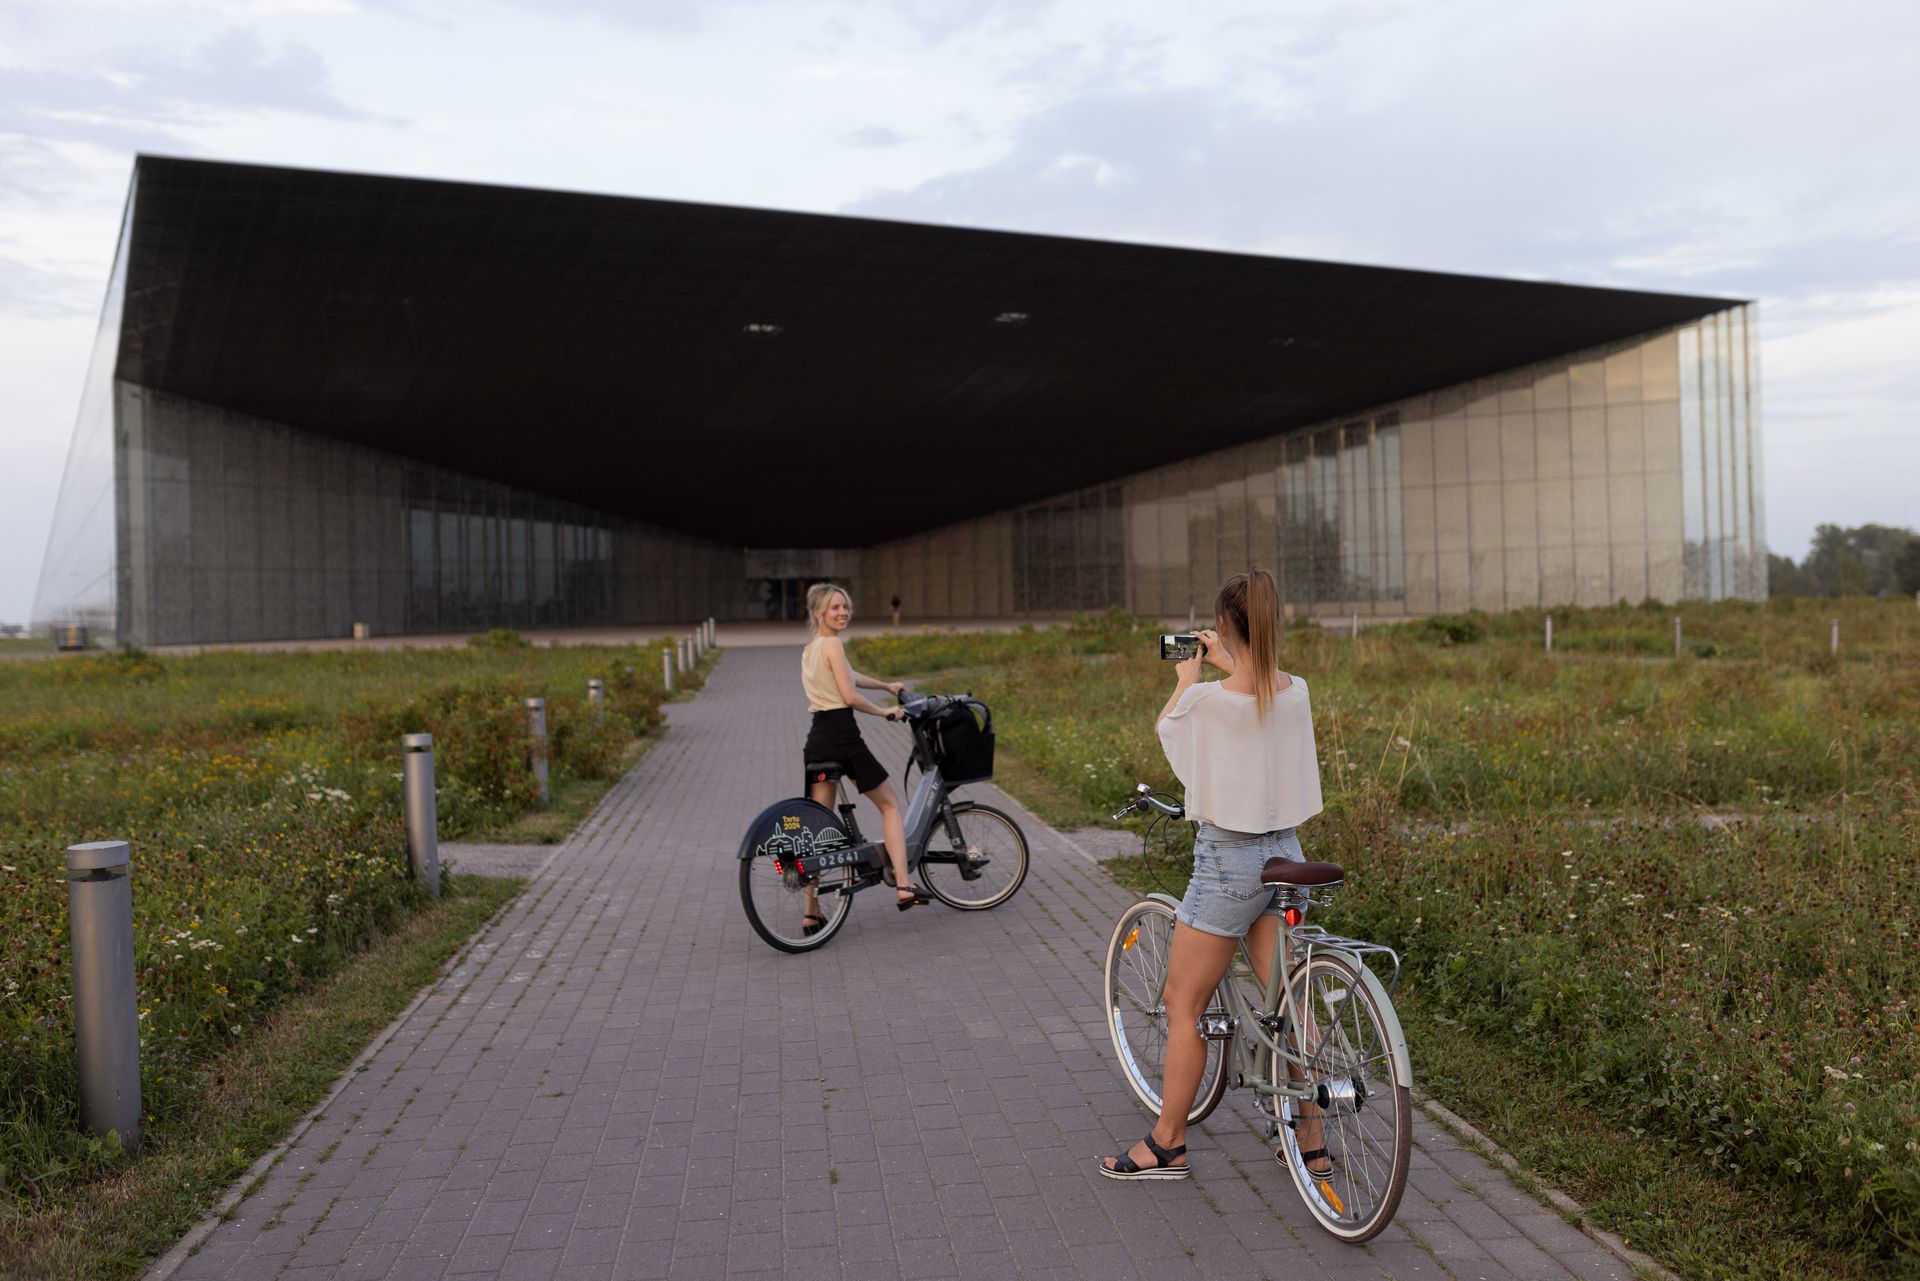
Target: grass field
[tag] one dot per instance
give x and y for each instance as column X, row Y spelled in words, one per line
column 261, row 797
column 1661, row 913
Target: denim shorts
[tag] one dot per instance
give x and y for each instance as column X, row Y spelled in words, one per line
column 1224, row 895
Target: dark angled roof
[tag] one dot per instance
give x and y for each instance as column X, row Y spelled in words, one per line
column 600, row 349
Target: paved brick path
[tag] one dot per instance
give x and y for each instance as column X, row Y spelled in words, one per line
column 622, row 1081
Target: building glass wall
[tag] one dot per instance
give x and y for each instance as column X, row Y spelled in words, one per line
column 1623, row 473
column 79, row 576
column 240, row 529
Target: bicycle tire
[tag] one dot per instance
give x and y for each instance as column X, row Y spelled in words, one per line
column 1004, row 874
column 834, row 901
column 1136, row 1018
column 773, row 897
column 1354, row 1029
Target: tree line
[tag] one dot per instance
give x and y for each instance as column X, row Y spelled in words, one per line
column 1862, row 560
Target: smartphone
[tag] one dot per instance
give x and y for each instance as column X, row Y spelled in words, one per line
column 1183, row 646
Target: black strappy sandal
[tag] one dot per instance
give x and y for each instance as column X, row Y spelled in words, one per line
column 1125, row 1167
column 1315, row 1154
column 920, row 897
column 812, row 923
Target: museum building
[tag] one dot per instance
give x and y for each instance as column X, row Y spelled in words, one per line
column 321, row 399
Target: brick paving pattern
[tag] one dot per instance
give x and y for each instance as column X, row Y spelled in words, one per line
column 623, row 1081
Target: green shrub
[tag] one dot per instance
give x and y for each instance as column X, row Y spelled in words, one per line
column 499, row 638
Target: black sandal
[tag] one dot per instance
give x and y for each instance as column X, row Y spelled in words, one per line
column 919, row 898
column 1125, row 1167
column 1315, row 1154
column 812, row 923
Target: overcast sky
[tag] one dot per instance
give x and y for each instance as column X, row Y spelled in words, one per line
column 1759, row 150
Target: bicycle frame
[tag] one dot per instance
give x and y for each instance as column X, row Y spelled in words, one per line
column 1264, row 1024
column 928, row 805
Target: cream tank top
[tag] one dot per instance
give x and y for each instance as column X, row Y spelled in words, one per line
column 1241, row 772
column 816, row 677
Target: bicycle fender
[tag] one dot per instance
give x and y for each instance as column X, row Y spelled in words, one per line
column 791, row 828
column 1396, row 1038
column 1166, row 900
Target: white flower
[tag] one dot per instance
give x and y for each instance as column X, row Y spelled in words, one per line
column 8, row 867
column 297, row 939
column 1400, row 741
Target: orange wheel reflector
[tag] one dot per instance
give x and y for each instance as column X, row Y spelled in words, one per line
column 1333, row 1198
column 1132, row 938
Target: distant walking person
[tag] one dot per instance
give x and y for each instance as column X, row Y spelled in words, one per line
column 896, row 611
column 832, row 697
column 1243, row 747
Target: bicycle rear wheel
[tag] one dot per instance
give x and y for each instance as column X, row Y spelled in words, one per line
column 772, row 890
column 1363, row 1107
column 1136, row 978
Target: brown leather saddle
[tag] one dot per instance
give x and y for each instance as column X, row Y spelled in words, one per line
column 1284, row 871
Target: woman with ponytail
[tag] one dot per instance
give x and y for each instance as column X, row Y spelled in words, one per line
column 1243, row 747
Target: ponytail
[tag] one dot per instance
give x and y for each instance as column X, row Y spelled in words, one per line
column 1250, row 604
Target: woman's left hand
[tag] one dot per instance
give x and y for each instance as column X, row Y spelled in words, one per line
column 897, row 688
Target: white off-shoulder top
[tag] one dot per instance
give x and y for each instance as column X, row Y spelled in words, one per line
column 1242, row 773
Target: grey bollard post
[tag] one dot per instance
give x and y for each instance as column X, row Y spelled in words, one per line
column 597, row 695
column 1833, row 638
column 1549, row 633
column 423, row 831
column 106, row 1018
column 360, row 631
column 537, row 744
column 1676, row 636
column 666, row 668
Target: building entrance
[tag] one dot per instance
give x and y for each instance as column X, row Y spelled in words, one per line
column 785, row 599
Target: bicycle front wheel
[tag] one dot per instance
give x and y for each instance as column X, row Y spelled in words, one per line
column 1136, row 981
column 1362, row 1109
column 986, row 869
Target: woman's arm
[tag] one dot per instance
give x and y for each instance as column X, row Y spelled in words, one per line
column 874, row 682
column 1186, row 673
column 843, row 680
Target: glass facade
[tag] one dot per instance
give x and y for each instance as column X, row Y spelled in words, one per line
column 240, row 529
column 1622, row 473
column 79, row 579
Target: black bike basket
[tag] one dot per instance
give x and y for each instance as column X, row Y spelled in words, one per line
column 963, row 743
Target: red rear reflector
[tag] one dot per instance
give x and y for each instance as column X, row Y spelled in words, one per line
column 1293, row 917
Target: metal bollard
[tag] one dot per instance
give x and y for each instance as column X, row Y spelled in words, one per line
column 1353, row 630
column 1833, row 638
column 1676, row 637
column 106, row 1016
column 360, row 631
column 423, row 832
column 666, row 668
column 537, row 744
column 597, row 695
column 1549, row 633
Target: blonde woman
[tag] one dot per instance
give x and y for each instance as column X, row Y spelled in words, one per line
column 833, row 696
column 1243, row 747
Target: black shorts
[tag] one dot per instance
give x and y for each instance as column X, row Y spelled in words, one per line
column 834, row 737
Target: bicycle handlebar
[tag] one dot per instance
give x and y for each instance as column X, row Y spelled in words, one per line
column 1143, row 797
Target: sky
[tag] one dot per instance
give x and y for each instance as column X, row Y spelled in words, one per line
column 1752, row 150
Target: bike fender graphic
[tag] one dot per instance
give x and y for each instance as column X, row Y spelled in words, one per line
column 793, row 829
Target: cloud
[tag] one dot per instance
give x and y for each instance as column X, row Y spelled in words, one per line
column 145, row 102
column 39, row 292
column 874, row 136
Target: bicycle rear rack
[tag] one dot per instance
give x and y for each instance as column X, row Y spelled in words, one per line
column 1317, row 936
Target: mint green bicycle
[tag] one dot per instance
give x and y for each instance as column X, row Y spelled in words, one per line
column 1317, row 1041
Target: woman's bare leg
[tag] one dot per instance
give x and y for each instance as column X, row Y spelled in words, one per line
column 893, row 828
column 821, row 794
column 1307, row 1127
column 1195, row 965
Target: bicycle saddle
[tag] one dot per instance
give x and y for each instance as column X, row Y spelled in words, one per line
column 1284, row 871
column 824, row 771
